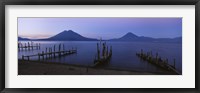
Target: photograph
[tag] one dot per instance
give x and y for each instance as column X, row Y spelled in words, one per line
column 99, row 45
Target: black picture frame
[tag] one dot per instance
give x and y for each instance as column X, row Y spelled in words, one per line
column 99, row 2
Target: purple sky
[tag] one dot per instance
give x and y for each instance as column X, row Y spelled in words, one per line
column 106, row 28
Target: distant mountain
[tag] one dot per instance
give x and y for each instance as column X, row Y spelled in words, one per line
column 68, row 36
column 169, row 40
column 21, row 39
column 129, row 36
column 132, row 37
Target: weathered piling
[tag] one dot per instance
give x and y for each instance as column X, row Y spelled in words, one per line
column 25, row 46
column 22, row 57
column 18, row 46
column 50, row 52
column 39, row 56
column 59, row 50
column 103, row 51
column 54, row 49
column 110, row 51
column 32, row 45
column 42, row 55
column 28, row 46
column 174, row 63
column 46, row 53
column 98, row 51
column 105, row 58
column 107, row 51
column 37, row 45
column 63, row 47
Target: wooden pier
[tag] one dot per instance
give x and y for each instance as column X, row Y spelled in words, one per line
column 28, row 46
column 105, row 58
column 51, row 53
column 157, row 61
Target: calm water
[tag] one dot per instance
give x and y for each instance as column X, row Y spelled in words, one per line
column 124, row 54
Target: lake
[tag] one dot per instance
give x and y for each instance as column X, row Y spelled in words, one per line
column 123, row 55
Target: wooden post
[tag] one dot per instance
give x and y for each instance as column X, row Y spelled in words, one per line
column 28, row 46
column 36, row 45
column 76, row 50
column 18, row 46
column 39, row 56
column 147, row 55
column 167, row 61
column 46, row 53
column 22, row 57
column 59, row 50
column 49, row 52
column 28, row 58
column 160, row 59
column 111, row 50
column 107, row 51
column 32, row 45
column 54, row 49
column 39, row 46
column 22, row 47
column 174, row 63
column 156, row 56
column 87, row 69
column 98, row 52
column 25, row 46
column 103, row 51
column 42, row 55
column 63, row 47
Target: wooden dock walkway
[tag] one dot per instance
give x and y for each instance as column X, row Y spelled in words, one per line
column 157, row 61
column 51, row 53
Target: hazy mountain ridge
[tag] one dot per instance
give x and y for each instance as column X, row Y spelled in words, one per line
column 130, row 37
column 21, row 39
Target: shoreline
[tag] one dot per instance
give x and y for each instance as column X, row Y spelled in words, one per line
column 55, row 68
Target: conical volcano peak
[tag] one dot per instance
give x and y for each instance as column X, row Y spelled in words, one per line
column 70, row 31
column 69, row 35
column 130, row 34
column 67, row 31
